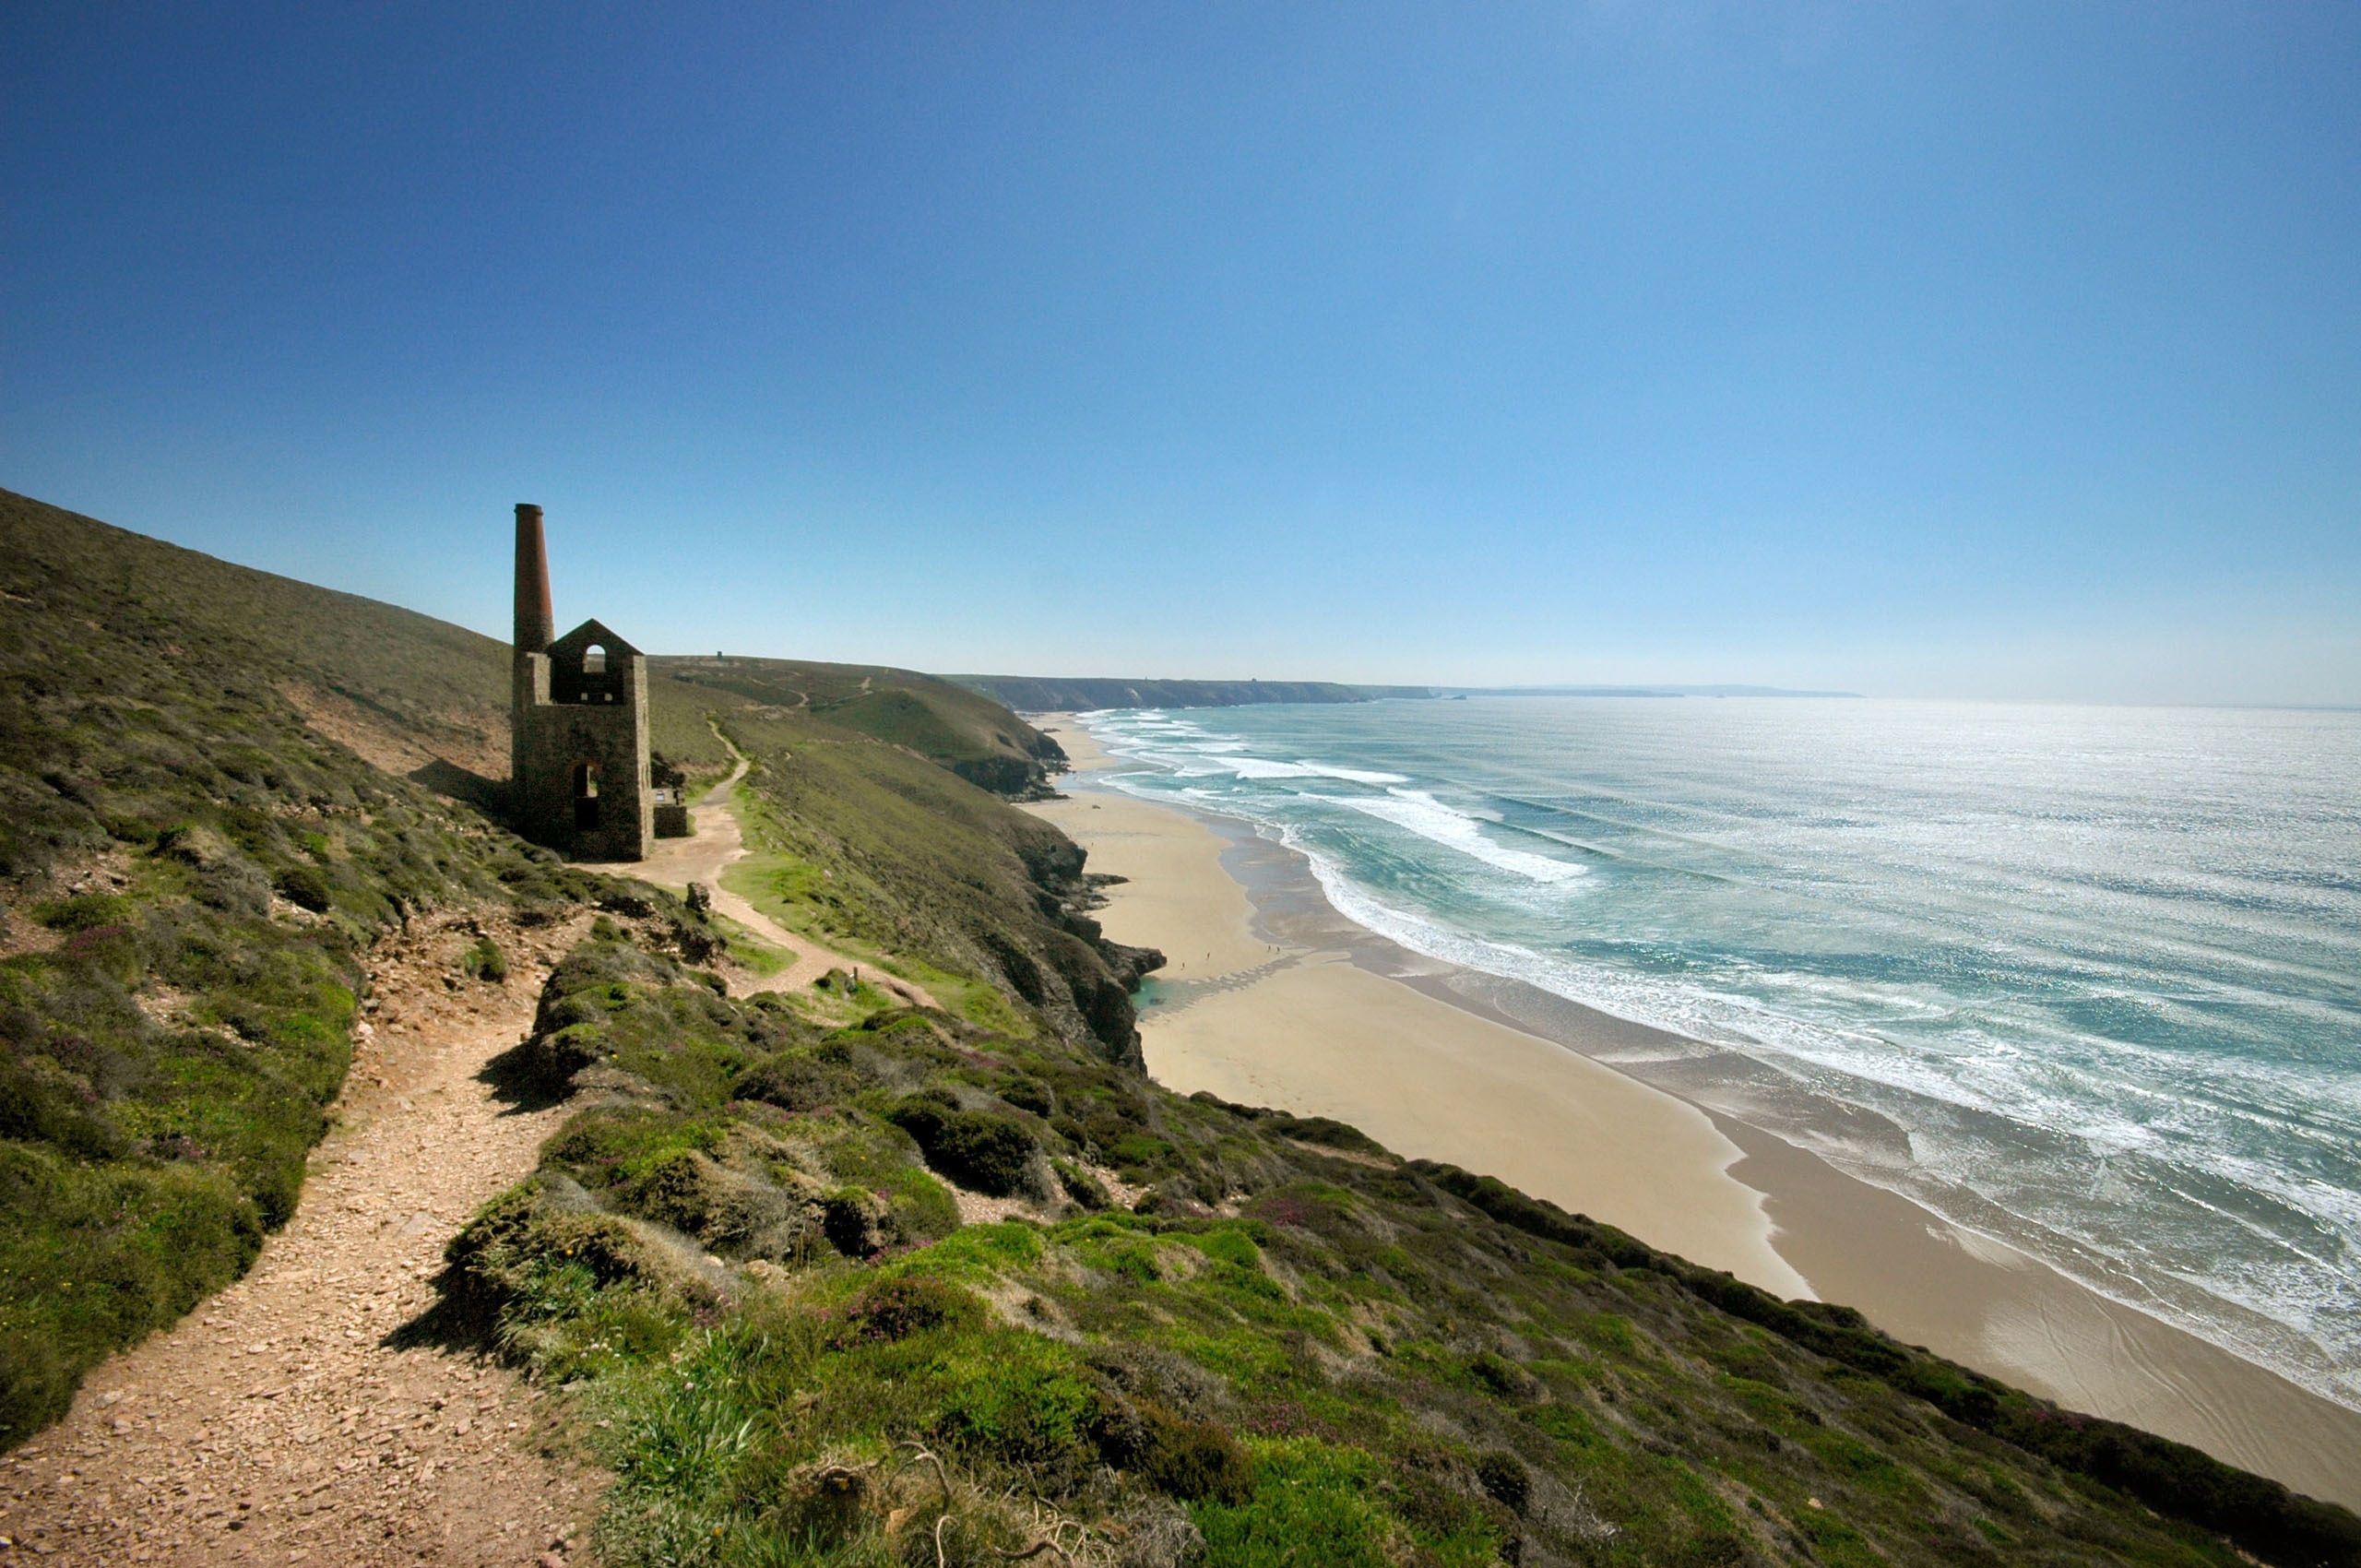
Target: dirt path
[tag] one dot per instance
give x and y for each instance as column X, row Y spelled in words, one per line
column 717, row 843
column 283, row 1421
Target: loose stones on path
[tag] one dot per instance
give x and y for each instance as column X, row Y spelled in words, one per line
column 288, row 1420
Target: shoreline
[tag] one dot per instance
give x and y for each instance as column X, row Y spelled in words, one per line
column 1271, row 996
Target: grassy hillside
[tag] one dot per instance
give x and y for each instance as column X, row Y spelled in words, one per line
column 190, row 878
column 906, row 1291
column 830, row 1282
column 970, row 734
column 443, row 687
column 218, row 788
column 874, row 850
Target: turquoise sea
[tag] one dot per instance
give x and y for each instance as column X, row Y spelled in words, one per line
column 2100, row 967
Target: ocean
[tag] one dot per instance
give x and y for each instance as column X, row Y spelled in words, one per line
column 2098, row 969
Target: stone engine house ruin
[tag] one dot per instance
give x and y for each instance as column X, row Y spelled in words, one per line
column 578, row 724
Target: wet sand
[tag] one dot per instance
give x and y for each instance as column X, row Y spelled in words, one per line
column 1272, row 997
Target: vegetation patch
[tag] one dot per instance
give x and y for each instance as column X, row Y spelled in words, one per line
column 740, row 1253
column 1366, row 1364
column 975, row 1148
column 484, row 961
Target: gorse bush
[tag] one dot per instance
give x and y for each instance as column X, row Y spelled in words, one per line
column 306, row 887
column 894, row 1309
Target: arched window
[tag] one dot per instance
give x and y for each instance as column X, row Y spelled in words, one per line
column 594, row 659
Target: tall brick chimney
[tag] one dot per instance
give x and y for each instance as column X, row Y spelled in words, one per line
column 536, row 624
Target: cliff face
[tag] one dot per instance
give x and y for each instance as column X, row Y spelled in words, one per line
column 1031, row 694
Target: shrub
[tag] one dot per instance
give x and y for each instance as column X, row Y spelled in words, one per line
column 1029, row 1094
column 1505, row 1476
column 87, row 912
column 1192, row 1460
column 1085, row 1190
column 724, row 1209
column 890, row 1309
column 306, row 887
column 798, row 1080
column 1323, row 1129
column 1313, row 1504
column 483, row 960
column 1020, row 1399
column 856, row 1221
column 1502, row 1378
column 980, row 1151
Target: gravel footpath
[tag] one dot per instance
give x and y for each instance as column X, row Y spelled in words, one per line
column 289, row 1419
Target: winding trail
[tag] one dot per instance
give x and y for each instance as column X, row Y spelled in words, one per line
column 717, row 843
column 302, row 1416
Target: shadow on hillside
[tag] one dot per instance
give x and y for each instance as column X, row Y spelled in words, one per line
column 520, row 1080
column 452, row 782
column 461, row 1318
column 458, row 1319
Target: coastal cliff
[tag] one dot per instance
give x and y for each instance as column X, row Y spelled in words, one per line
column 822, row 1276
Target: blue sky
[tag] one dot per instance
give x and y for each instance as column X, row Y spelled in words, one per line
column 1973, row 350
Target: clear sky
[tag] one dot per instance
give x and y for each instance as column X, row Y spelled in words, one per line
column 1947, row 349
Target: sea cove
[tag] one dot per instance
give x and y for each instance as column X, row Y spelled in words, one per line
column 1836, row 926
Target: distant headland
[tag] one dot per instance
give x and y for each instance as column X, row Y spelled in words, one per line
column 1045, row 693
column 1721, row 691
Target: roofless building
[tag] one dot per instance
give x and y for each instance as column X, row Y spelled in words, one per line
column 578, row 724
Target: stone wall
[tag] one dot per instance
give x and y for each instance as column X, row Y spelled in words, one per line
column 577, row 724
column 606, row 736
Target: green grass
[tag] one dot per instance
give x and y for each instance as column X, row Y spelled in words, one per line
column 763, row 958
column 802, row 896
column 1375, row 1363
column 956, row 729
column 1315, row 1505
column 1292, row 1347
column 979, row 1002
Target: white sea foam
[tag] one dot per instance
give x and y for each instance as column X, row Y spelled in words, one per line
column 1218, row 759
column 1437, row 822
column 2097, row 964
column 1263, row 767
column 1735, row 1021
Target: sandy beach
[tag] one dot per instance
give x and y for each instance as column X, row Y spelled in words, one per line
column 1271, row 997
column 1263, row 1023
